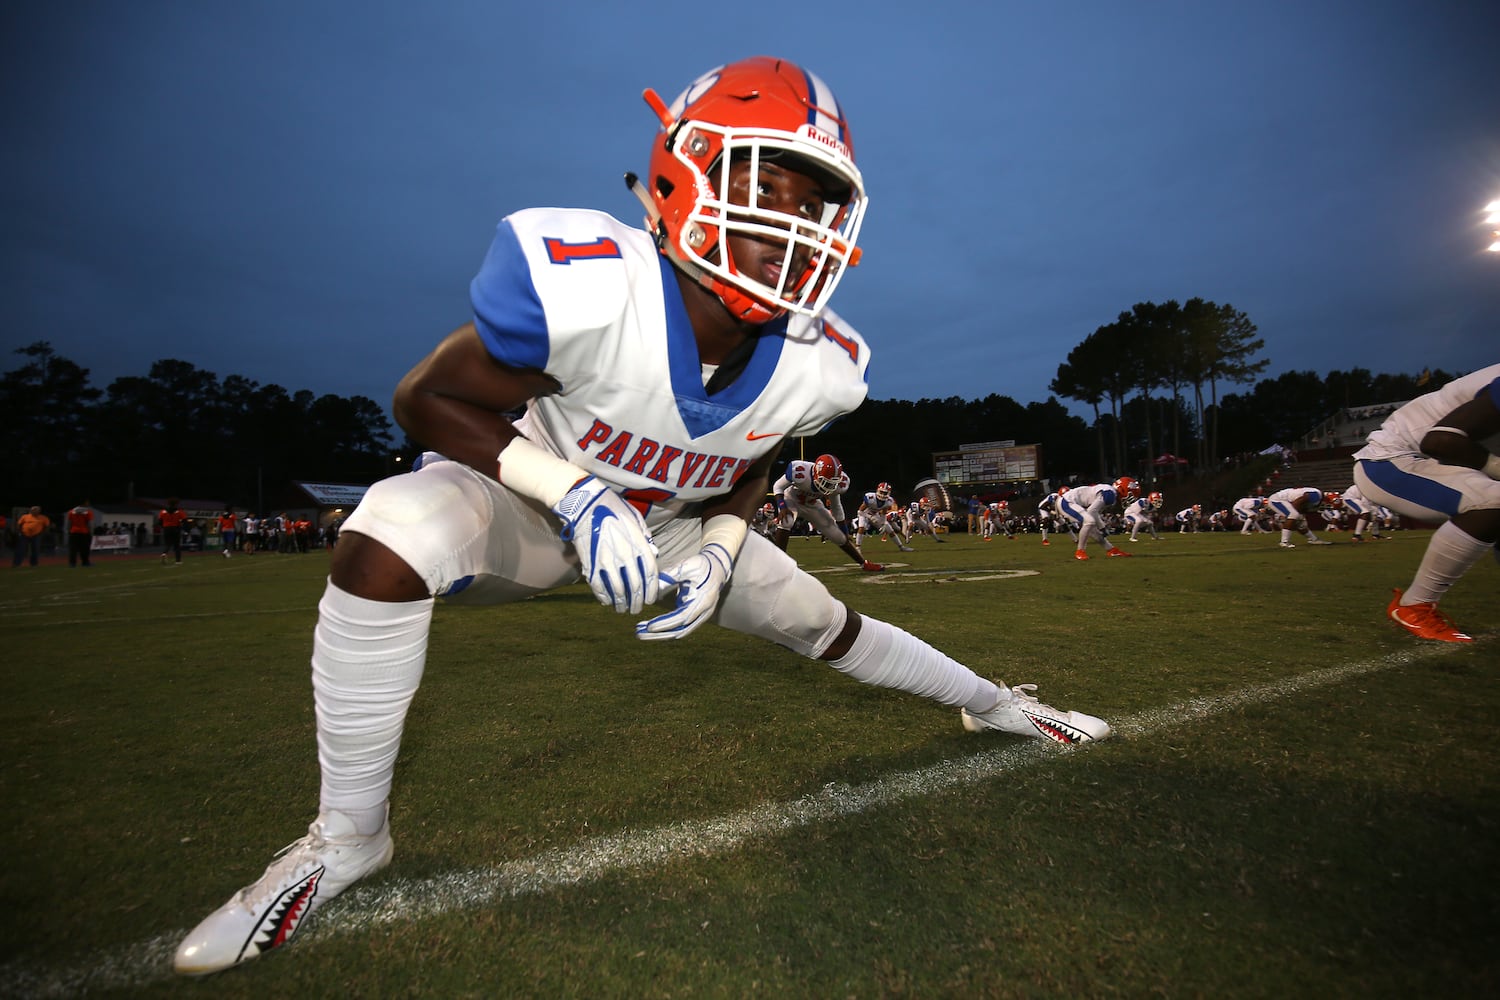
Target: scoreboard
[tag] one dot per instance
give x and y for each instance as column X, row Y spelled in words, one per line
column 992, row 462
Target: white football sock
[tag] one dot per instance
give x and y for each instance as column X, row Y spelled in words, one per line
column 367, row 662
column 886, row 656
column 1449, row 555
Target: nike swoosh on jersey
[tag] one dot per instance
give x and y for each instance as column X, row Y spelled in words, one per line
column 752, row 436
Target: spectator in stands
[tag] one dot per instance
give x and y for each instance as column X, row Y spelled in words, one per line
column 80, row 534
column 1437, row 458
column 29, row 529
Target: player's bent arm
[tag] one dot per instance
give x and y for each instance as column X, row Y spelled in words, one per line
column 1454, row 439
column 456, row 399
column 455, row 402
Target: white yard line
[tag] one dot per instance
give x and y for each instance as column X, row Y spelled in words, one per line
column 601, row 857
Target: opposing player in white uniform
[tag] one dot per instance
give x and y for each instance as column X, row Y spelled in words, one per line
column 814, row 492
column 1085, row 506
column 661, row 372
column 875, row 516
column 1438, row 459
column 1248, row 510
column 1141, row 513
column 1291, row 508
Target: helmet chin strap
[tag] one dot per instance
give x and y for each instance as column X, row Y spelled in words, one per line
column 653, row 216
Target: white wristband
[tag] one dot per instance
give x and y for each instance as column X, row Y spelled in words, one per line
column 535, row 472
column 725, row 530
column 1491, row 467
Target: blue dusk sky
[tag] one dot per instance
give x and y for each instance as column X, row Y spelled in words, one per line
column 300, row 192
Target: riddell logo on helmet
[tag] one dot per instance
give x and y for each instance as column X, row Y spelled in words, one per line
column 824, row 139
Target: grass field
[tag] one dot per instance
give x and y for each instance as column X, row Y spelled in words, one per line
column 1301, row 799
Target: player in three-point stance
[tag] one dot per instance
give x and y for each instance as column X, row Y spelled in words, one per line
column 814, row 491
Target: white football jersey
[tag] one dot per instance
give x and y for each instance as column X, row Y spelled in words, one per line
column 1402, row 432
column 796, row 488
column 1081, row 500
column 590, row 301
column 799, row 476
column 1139, row 509
column 1245, row 507
column 1286, row 497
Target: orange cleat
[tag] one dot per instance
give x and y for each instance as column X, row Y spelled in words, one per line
column 1424, row 621
column 873, row 567
column 1080, row 554
column 1045, row 542
column 1112, row 553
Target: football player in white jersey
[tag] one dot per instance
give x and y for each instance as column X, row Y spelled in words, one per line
column 1187, row 519
column 1085, row 506
column 1248, row 510
column 1364, row 514
column 765, row 519
column 1142, row 514
column 814, row 492
column 660, row 369
column 1047, row 515
column 1291, row 508
column 1438, row 459
column 877, row 514
column 919, row 520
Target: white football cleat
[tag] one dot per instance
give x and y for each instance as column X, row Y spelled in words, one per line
column 1288, row 545
column 1024, row 715
column 308, row 873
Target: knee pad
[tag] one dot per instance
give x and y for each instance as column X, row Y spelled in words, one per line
column 426, row 517
column 770, row 597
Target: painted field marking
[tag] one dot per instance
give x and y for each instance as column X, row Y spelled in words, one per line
column 150, row 961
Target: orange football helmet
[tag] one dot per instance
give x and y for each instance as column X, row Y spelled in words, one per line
column 883, row 490
column 1127, row 489
column 1156, row 500
column 827, row 475
column 759, row 110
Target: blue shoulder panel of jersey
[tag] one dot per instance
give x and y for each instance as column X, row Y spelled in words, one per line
column 700, row 414
column 1492, row 390
column 508, row 312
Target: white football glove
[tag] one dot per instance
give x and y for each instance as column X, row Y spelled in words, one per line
column 700, row 580
column 613, row 544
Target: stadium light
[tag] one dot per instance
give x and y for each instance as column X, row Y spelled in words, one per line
column 1492, row 219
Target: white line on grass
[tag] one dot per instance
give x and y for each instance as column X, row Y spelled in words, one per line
column 602, row 857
